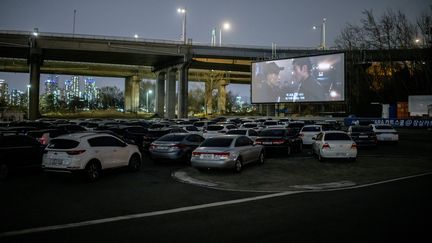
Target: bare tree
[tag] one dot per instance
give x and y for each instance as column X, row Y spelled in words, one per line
column 424, row 23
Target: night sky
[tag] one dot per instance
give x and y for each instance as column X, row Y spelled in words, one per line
column 253, row 22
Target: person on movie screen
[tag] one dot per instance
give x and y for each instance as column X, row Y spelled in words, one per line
column 307, row 88
column 270, row 86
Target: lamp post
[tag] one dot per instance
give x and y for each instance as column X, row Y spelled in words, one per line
column 183, row 11
column 28, row 101
column 225, row 26
column 147, row 104
column 323, row 33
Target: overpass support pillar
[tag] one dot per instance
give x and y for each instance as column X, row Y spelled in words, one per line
column 35, row 62
column 221, row 100
column 132, row 94
column 160, row 94
column 183, row 92
column 170, row 98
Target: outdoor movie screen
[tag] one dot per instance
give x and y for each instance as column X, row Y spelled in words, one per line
column 304, row 79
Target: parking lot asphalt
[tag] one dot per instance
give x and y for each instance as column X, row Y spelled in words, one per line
column 411, row 156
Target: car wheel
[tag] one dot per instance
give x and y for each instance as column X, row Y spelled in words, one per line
column 289, row 150
column 238, row 166
column 92, row 171
column 4, row 171
column 261, row 158
column 134, row 163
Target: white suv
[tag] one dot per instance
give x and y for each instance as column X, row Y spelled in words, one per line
column 91, row 153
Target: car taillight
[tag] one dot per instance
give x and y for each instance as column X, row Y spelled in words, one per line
column 152, row 146
column 326, row 145
column 75, row 152
column 354, row 146
column 279, row 141
column 224, row 155
column 43, row 141
column 194, row 154
column 301, row 134
column 258, row 142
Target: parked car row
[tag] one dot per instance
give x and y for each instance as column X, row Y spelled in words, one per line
column 70, row 148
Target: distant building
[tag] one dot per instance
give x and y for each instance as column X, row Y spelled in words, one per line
column 90, row 90
column 72, row 88
column 4, row 90
column 17, row 98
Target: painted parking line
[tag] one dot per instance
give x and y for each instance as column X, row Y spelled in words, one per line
column 140, row 215
column 185, row 209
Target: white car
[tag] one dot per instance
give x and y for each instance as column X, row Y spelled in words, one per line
column 385, row 133
column 250, row 133
column 308, row 132
column 334, row 144
column 217, row 130
column 90, row 153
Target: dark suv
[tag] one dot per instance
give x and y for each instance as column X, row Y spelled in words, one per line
column 18, row 152
column 280, row 138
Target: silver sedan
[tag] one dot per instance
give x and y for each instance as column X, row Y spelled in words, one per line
column 227, row 151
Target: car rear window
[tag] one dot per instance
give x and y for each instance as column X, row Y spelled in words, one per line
column 272, row 133
column 336, row 136
column 311, row 129
column 239, row 132
column 171, row 137
column 217, row 142
column 63, row 144
column 215, row 128
column 361, row 129
column 250, row 125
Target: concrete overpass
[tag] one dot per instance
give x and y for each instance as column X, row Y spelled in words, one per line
column 134, row 59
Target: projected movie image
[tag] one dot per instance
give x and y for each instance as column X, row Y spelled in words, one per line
column 304, row 79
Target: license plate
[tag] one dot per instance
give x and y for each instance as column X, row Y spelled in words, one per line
column 363, row 136
column 56, row 161
column 162, row 147
column 267, row 143
column 340, row 154
column 207, row 156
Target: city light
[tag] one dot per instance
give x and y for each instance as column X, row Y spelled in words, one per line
column 183, row 12
column 225, row 26
column 35, row 32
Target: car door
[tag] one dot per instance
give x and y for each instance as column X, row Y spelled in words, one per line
column 245, row 147
column 317, row 144
column 108, row 150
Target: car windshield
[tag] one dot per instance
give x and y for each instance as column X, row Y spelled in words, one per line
column 217, row 142
column 172, row 137
column 336, row 136
column 63, row 144
column 361, row 129
column 237, row 132
column 273, row 133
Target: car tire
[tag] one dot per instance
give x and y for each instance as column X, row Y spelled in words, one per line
column 4, row 171
column 92, row 171
column 289, row 150
column 134, row 163
column 261, row 158
column 238, row 166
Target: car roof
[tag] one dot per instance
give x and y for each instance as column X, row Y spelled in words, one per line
column 80, row 135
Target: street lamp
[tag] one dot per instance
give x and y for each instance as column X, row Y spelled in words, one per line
column 183, row 11
column 147, row 104
column 323, row 33
column 28, row 101
column 225, row 26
